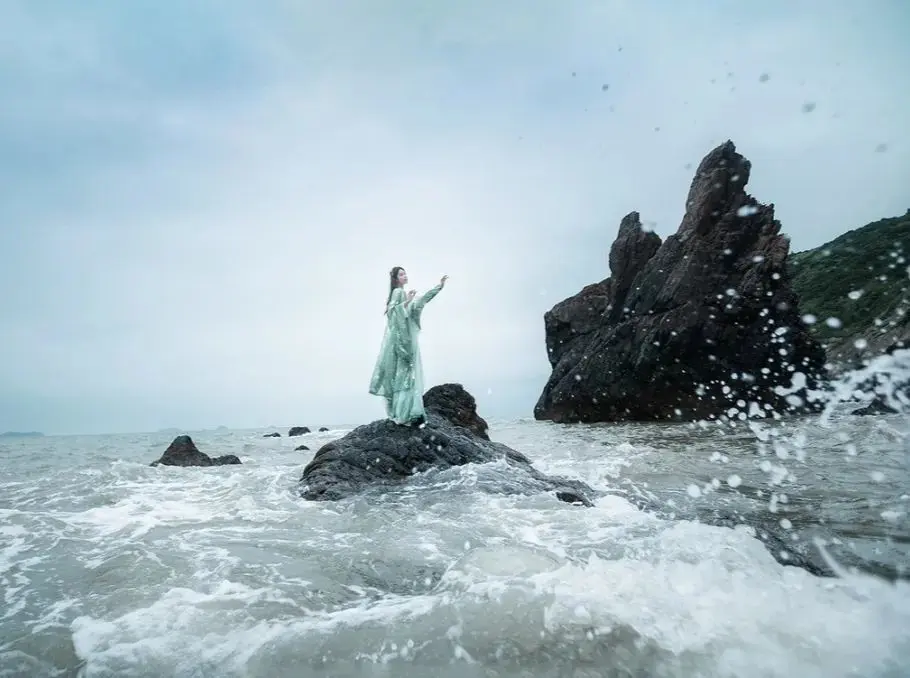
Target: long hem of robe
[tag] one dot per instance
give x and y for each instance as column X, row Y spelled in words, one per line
column 405, row 407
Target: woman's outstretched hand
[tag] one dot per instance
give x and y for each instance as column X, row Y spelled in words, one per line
column 443, row 281
column 411, row 295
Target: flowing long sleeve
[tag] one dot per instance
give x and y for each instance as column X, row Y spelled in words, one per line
column 416, row 308
column 399, row 330
column 393, row 367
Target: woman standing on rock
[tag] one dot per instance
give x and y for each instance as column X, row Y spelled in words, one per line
column 398, row 375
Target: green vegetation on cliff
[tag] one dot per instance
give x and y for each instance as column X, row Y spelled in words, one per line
column 860, row 278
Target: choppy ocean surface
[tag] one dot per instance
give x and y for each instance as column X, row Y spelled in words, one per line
column 109, row 567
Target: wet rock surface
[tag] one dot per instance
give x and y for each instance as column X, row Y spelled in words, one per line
column 183, row 452
column 383, row 454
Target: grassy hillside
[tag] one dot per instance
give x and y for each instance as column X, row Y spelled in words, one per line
column 861, row 278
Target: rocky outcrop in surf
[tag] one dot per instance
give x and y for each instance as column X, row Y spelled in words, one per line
column 183, row 452
column 702, row 325
column 383, row 454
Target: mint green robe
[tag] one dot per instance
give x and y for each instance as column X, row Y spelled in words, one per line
column 398, row 374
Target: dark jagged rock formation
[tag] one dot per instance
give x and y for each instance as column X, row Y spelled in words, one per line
column 453, row 402
column 297, row 431
column 183, row 452
column 383, row 454
column 689, row 328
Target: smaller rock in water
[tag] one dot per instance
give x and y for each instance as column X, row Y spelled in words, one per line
column 877, row 406
column 272, row 435
column 570, row 496
column 323, row 429
column 183, row 452
column 298, row 431
column 301, row 448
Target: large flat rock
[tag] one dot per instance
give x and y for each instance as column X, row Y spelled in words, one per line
column 384, row 454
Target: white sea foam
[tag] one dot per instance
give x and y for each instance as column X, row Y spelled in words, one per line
column 128, row 570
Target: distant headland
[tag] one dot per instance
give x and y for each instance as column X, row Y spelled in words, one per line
column 21, row 434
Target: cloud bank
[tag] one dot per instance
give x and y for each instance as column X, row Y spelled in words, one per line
column 202, row 201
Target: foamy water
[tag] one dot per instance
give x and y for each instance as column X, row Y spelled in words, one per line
column 109, row 567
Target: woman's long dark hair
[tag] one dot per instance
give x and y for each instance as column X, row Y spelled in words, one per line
column 393, row 283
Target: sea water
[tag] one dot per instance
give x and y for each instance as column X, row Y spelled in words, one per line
column 110, row 567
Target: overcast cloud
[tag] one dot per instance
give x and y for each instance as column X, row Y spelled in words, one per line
column 201, row 200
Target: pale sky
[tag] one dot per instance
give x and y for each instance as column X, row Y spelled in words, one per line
column 201, row 200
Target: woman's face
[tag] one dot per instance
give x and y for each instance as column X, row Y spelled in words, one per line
column 402, row 278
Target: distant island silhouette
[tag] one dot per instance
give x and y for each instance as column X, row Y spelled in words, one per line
column 21, row 434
